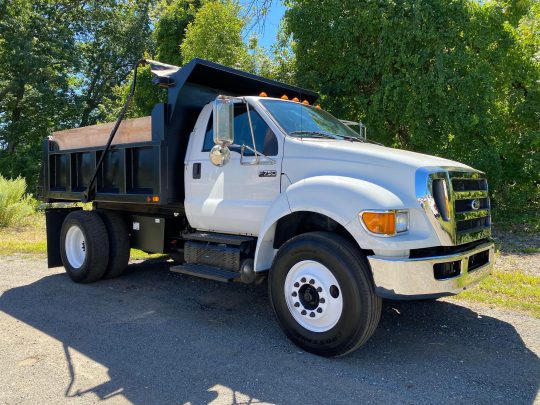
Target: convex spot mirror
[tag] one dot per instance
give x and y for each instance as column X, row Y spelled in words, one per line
column 220, row 155
column 223, row 113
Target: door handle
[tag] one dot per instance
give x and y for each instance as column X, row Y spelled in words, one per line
column 196, row 170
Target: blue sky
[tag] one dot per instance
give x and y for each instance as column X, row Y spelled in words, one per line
column 268, row 36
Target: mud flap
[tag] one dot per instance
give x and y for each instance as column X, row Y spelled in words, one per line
column 54, row 218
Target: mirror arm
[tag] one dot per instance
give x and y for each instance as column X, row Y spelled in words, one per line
column 257, row 161
column 251, row 130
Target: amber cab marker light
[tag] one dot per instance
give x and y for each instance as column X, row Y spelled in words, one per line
column 263, row 94
column 318, row 106
column 382, row 223
column 284, row 97
column 295, row 99
column 305, row 102
column 155, row 198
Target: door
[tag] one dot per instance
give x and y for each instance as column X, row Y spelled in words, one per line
column 233, row 198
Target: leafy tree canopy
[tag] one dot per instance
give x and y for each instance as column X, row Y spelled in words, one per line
column 448, row 77
column 216, row 34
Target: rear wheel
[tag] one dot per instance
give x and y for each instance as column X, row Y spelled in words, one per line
column 84, row 246
column 119, row 246
column 322, row 294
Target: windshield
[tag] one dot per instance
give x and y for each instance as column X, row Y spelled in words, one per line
column 305, row 121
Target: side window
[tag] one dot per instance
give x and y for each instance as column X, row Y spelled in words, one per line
column 209, row 136
column 265, row 139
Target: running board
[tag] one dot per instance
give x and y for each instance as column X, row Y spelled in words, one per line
column 204, row 271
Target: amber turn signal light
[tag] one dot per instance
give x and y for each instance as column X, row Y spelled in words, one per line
column 382, row 223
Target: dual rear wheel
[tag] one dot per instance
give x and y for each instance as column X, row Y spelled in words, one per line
column 94, row 245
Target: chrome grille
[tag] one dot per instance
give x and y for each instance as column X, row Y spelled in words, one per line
column 472, row 213
column 456, row 203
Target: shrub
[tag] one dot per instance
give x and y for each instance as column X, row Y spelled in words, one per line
column 16, row 207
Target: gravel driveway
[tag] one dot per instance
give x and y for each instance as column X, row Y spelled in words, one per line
column 154, row 337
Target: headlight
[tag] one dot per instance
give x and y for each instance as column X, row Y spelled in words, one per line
column 385, row 223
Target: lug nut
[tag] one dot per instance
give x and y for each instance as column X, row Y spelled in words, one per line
column 322, row 300
column 312, row 314
column 303, row 279
column 311, row 281
column 304, row 312
column 319, row 310
column 294, row 294
column 319, row 289
column 297, row 284
column 296, row 304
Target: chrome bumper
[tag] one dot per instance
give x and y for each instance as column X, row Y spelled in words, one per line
column 399, row 278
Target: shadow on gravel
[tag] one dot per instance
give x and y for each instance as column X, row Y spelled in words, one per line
column 168, row 338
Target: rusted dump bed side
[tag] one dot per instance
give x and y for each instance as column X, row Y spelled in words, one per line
column 130, row 131
column 133, row 170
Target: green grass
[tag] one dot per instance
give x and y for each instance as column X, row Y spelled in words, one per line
column 513, row 290
column 32, row 240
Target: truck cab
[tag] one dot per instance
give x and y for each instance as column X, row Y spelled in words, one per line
column 241, row 178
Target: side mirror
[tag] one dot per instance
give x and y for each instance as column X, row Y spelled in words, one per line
column 223, row 121
column 223, row 113
column 362, row 130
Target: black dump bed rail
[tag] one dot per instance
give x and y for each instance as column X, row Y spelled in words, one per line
column 145, row 163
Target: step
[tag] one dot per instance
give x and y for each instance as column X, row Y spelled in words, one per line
column 203, row 271
column 213, row 237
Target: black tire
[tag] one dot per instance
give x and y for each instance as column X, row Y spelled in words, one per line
column 361, row 307
column 95, row 246
column 119, row 245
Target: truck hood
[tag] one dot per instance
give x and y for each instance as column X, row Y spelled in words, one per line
column 392, row 169
column 369, row 154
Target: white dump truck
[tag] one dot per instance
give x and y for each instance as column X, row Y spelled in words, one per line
column 241, row 178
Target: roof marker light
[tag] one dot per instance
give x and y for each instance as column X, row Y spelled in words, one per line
column 305, row 102
column 295, row 99
column 284, row 97
column 318, row 106
column 263, row 94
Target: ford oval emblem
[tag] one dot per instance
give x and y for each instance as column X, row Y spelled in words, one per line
column 475, row 204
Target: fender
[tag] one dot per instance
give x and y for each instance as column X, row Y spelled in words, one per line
column 337, row 197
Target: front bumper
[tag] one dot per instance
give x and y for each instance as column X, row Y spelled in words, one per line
column 399, row 278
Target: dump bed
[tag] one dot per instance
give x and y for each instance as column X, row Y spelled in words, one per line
column 145, row 163
column 130, row 169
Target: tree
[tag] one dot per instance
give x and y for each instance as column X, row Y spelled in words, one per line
column 172, row 20
column 216, row 34
column 112, row 35
column 437, row 76
column 37, row 53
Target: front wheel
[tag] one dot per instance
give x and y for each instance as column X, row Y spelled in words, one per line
column 322, row 294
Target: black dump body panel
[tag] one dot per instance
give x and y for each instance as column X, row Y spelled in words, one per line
column 153, row 172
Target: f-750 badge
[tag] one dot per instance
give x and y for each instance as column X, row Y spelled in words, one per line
column 267, row 173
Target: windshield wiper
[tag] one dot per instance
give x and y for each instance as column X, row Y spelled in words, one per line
column 315, row 134
column 329, row 135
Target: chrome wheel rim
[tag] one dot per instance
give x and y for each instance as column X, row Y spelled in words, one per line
column 75, row 247
column 313, row 296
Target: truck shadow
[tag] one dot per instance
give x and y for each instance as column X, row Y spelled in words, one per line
column 167, row 338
